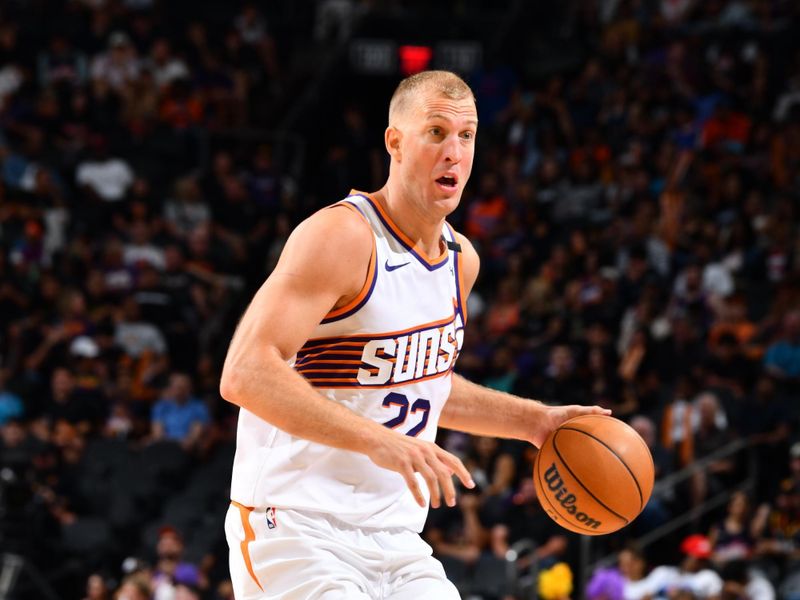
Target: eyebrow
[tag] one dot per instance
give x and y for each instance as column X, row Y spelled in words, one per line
column 446, row 118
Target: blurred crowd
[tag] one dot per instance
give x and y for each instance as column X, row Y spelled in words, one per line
column 637, row 217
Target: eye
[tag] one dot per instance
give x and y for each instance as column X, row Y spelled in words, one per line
column 437, row 131
column 468, row 135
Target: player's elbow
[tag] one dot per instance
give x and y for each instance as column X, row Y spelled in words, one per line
column 230, row 386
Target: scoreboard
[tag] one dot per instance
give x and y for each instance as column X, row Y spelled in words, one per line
column 383, row 57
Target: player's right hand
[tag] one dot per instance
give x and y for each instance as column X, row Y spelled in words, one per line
column 408, row 455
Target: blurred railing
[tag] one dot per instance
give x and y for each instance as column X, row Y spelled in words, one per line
column 12, row 570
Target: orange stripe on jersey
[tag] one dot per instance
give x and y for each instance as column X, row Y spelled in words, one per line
column 313, row 355
column 372, row 273
column 326, row 347
column 338, row 362
column 350, row 371
column 396, row 230
column 249, row 536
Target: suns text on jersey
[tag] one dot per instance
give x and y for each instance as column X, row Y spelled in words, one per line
column 413, row 355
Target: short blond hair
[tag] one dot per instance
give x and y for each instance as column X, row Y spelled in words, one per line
column 444, row 83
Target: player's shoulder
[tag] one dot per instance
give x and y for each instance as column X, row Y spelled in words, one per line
column 337, row 227
column 329, row 249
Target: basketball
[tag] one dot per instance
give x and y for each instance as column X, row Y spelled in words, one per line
column 593, row 475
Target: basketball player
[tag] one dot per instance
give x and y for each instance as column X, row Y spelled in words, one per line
column 343, row 368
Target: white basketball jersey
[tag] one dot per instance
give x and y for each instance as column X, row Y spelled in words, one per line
column 388, row 356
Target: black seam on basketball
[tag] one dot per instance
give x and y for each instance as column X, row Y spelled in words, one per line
column 624, row 464
column 555, row 510
column 588, row 491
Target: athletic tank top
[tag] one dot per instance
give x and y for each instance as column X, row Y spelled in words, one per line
column 388, row 356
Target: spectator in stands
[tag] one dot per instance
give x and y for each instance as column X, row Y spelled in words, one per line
column 727, row 367
column 562, row 381
column 457, row 535
column 740, row 580
column 493, row 469
column 186, row 210
column 119, row 65
column 10, row 403
column 102, row 179
column 782, row 358
column 135, row 336
column 184, row 591
column 165, row 66
column 82, row 407
column 711, row 434
column 638, row 583
column 145, row 352
column 17, row 446
column 694, row 575
column 734, row 537
column 178, row 415
column 657, row 510
column 766, row 419
column 97, row 588
column 606, row 584
column 171, row 571
column 525, row 519
column 61, row 64
column 135, row 587
column 141, row 249
column 780, row 538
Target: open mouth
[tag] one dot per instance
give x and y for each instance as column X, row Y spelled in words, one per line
column 448, row 181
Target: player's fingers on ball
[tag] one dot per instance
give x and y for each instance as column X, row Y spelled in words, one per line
column 458, row 467
column 413, row 485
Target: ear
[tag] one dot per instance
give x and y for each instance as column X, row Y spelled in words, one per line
column 392, row 138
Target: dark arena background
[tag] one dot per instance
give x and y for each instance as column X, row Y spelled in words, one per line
column 635, row 201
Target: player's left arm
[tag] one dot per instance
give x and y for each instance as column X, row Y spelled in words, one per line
column 482, row 411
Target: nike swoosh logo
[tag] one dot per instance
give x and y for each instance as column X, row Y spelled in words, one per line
column 390, row 268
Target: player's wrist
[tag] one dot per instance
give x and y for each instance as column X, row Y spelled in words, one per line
column 370, row 437
column 537, row 422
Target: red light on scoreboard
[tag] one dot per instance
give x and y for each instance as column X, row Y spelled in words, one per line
column 414, row 59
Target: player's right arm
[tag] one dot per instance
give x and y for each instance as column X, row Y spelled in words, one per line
column 323, row 266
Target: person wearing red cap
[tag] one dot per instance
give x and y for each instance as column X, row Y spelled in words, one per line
column 694, row 576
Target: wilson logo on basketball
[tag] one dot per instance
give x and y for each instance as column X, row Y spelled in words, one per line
column 556, row 485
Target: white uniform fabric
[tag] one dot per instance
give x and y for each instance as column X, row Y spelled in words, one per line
column 310, row 557
column 388, row 356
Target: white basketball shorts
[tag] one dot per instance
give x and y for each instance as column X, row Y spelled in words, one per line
column 278, row 554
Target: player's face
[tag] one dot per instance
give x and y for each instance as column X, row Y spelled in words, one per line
column 437, row 150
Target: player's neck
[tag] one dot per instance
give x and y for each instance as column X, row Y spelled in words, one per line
column 424, row 231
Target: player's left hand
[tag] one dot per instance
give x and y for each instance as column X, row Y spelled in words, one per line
column 553, row 416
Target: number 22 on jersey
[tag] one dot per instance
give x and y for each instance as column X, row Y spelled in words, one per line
column 420, row 405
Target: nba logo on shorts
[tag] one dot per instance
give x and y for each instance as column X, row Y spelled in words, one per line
column 272, row 523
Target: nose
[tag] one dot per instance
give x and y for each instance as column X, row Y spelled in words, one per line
column 453, row 152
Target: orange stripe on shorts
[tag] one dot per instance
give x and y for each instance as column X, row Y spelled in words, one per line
column 249, row 536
